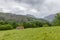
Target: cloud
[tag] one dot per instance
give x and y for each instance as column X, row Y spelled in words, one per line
column 38, row 8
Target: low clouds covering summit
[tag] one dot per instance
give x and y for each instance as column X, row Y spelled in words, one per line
column 38, row 8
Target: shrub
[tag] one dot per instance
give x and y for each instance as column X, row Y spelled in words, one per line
column 29, row 25
column 5, row 27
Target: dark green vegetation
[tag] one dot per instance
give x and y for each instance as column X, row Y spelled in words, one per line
column 57, row 20
column 11, row 21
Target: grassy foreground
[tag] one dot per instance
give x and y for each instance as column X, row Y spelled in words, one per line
column 45, row 33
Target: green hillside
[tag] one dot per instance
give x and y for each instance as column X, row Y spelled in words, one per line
column 44, row 33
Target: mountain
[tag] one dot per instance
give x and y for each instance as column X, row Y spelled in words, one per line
column 50, row 18
column 17, row 18
column 12, row 17
column 28, row 15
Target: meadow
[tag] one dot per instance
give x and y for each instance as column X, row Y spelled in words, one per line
column 43, row 33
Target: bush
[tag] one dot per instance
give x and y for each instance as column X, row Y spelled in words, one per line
column 5, row 27
column 29, row 25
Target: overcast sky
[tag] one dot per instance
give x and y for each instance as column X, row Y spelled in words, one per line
column 38, row 8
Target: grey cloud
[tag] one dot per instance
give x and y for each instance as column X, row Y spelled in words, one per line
column 39, row 8
column 32, row 2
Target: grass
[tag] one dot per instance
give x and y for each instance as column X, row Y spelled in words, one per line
column 44, row 33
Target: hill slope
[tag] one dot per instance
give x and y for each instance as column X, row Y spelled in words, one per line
column 18, row 18
column 50, row 17
column 44, row 33
column 14, row 17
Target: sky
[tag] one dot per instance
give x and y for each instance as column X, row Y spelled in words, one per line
column 38, row 8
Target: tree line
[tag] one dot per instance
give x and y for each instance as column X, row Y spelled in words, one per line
column 7, row 25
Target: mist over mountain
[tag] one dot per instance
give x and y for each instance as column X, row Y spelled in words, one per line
column 50, row 18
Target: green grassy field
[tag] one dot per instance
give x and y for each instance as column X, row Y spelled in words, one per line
column 44, row 33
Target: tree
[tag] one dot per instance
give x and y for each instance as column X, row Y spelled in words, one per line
column 29, row 25
column 2, row 22
column 6, row 27
column 57, row 20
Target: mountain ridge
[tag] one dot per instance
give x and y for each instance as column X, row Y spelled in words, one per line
column 50, row 18
column 17, row 18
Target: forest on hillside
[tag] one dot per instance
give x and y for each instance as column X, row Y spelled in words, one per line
column 12, row 21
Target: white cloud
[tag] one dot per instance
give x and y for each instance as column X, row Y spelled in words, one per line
column 33, row 10
column 39, row 8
